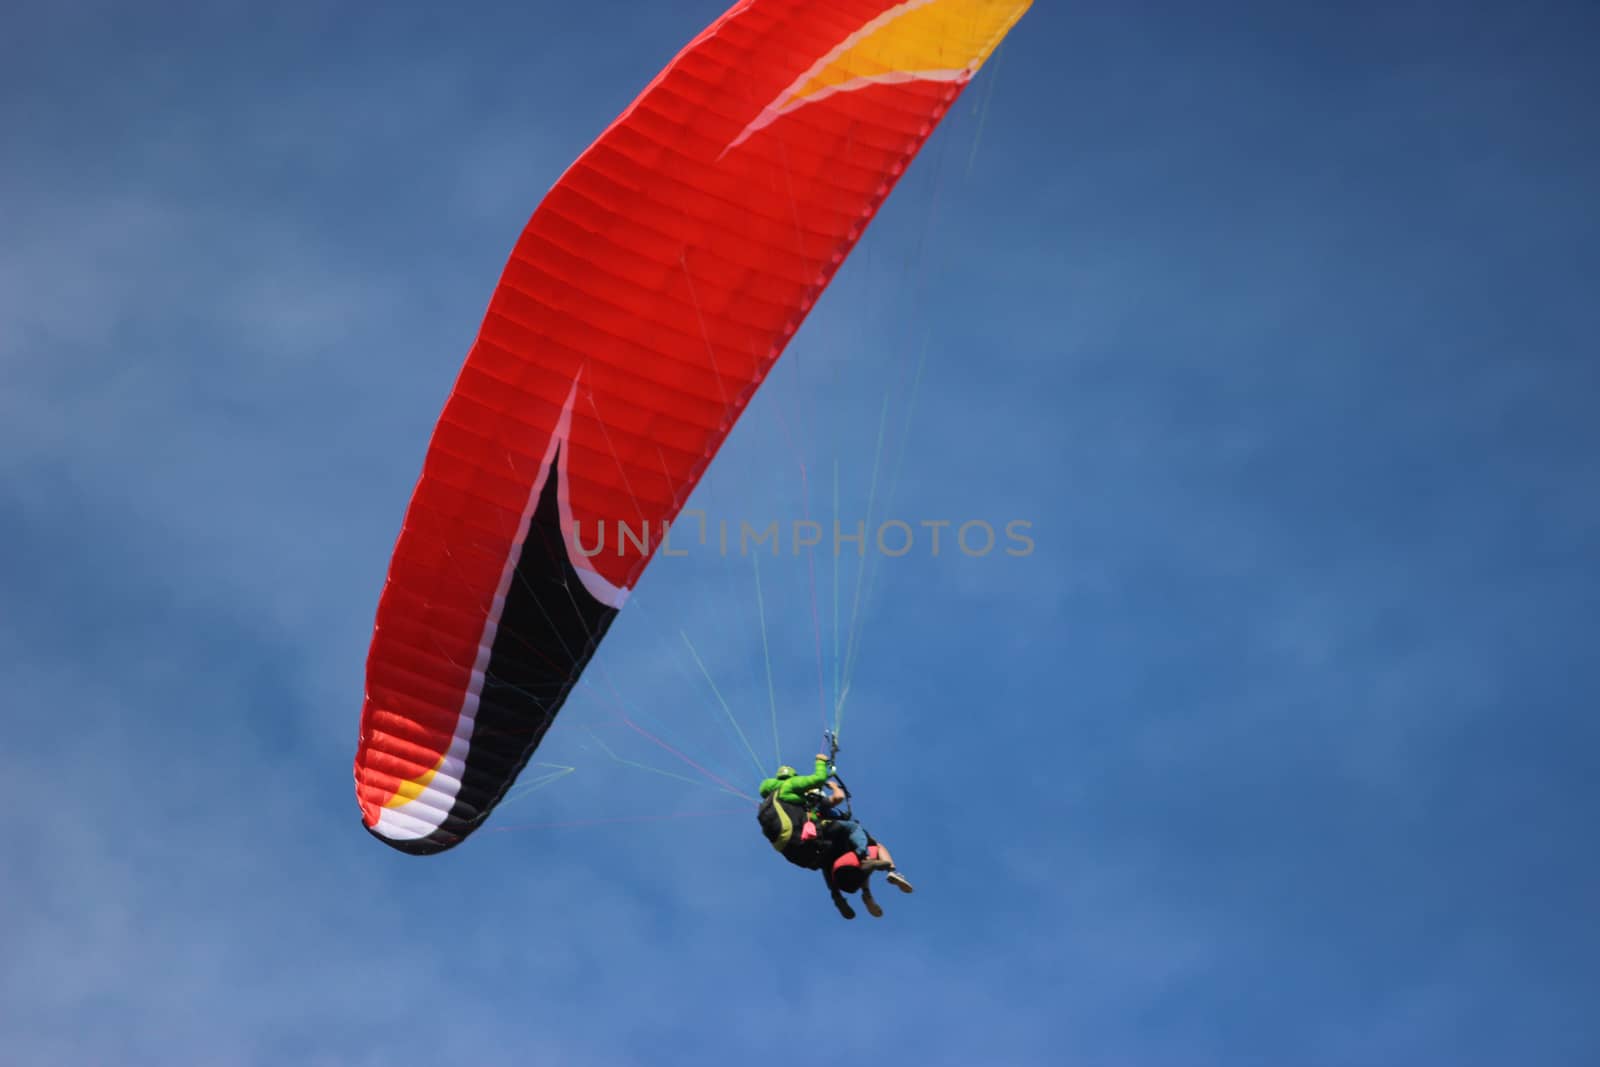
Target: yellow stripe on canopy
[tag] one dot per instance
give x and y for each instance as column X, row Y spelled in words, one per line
column 920, row 38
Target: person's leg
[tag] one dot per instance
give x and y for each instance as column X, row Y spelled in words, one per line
column 850, row 829
column 839, row 902
column 877, row 858
column 849, row 833
column 894, row 877
column 858, row 837
column 872, row 905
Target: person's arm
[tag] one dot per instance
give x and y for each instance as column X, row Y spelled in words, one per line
column 798, row 786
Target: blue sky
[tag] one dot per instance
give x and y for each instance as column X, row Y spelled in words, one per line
column 1276, row 322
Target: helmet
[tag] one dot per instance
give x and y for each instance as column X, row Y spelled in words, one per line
column 785, row 771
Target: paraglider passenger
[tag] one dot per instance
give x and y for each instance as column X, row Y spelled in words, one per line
column 828, row 803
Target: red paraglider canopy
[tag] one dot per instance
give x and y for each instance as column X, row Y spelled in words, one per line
column 644, row 303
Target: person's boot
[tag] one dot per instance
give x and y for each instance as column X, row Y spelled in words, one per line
column 844, row 906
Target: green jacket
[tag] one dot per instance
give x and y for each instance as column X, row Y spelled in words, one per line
column 793, row 790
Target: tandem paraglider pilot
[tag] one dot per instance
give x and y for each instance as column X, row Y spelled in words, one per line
column 807, row 818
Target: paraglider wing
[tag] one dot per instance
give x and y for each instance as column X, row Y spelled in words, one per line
column 644, row 303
